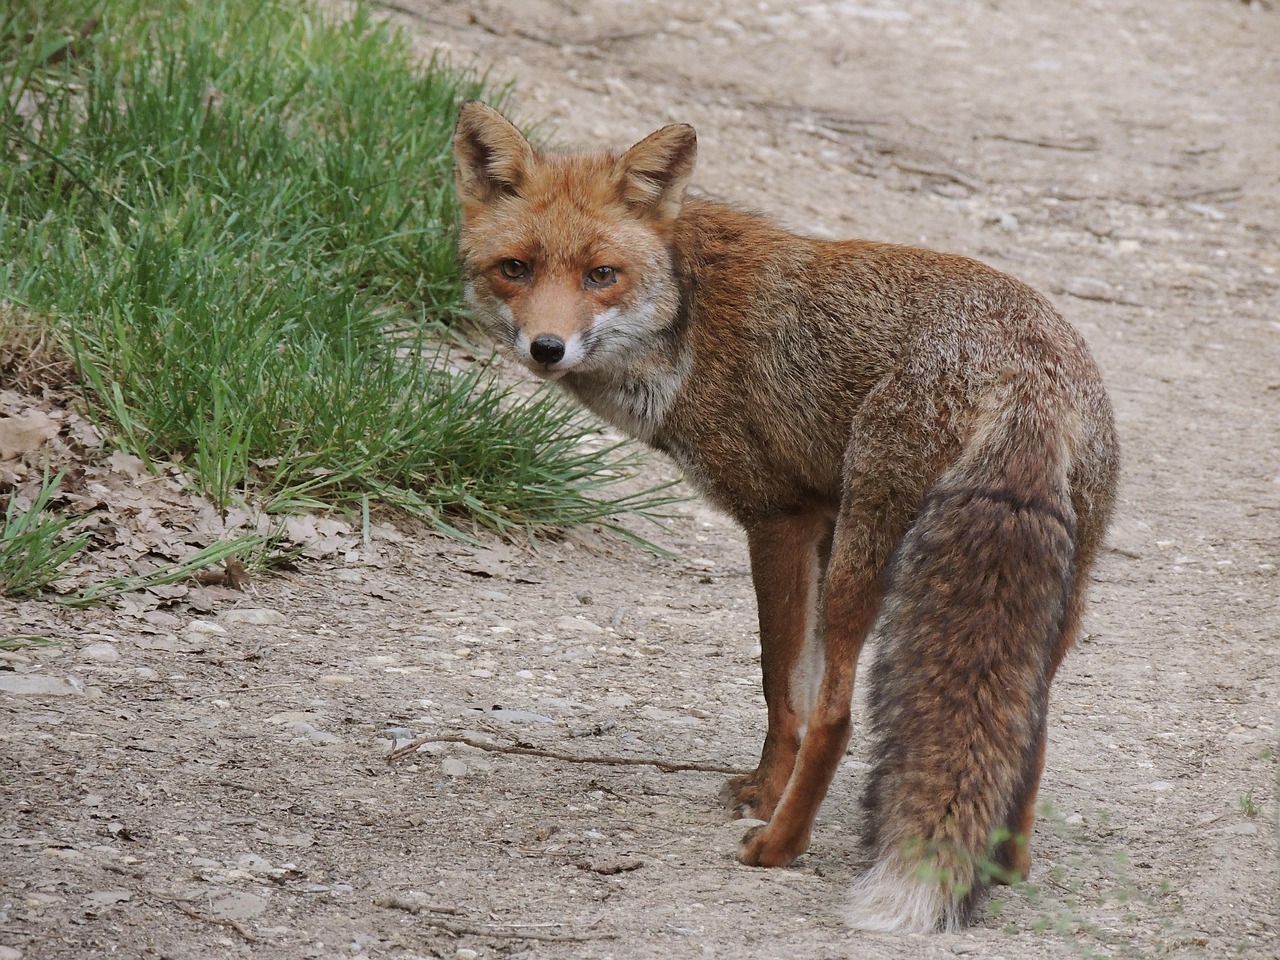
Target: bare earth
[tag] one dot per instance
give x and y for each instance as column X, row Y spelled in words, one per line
column 181, row 792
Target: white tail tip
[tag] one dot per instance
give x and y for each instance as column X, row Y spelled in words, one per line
column 891, row 898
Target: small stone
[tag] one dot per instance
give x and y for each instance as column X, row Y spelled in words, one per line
column 204, row 626
column 108, row 898
column 255, row 616
column 36, row 685
column 293, row 716
column 1087, row 288
column 1238, row 830
column 253, row 863
column 466, row 953
column 294, row 839
column 167, row 643
column 336, row 679
column 453, row 767
column 13, row 953
column 100, row 653
column 519, row 716
column 578, row 625
column 1160, row 785
column 235, row 905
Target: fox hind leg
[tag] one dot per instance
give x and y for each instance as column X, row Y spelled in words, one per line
column 977, row 603
column 883, row 480
column 1013, row 854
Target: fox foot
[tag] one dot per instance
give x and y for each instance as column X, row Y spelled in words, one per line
column 770, row 846
column 1013, row 857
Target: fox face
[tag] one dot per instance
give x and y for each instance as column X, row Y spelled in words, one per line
column 567, row 258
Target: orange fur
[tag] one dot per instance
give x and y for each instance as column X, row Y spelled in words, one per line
column 912, row 441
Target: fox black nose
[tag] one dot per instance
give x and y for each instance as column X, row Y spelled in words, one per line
column 547, row 349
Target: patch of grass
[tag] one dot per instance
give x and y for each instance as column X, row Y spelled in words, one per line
column 33, row 549
column 1248, row 805
column 240, row 215
column 24, row 641
column 1092, row 896
column 31, row 355
column 168, row 574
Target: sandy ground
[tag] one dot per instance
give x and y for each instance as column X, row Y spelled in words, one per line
column 204, row 784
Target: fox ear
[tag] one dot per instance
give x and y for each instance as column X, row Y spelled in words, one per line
column 490, row 156
column 656, row 170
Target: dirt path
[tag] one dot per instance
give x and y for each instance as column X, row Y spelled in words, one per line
column 206, row 786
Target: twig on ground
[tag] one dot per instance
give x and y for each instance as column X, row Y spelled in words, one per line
column 940, row 172
column 235, row 925
column 1083, row 145
column 513, row 32
column 663, row 765
column 396, row 901
column 466, row 929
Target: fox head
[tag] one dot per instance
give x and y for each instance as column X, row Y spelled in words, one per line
column 567, row 256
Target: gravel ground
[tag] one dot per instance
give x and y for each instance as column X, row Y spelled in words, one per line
column 210, row 779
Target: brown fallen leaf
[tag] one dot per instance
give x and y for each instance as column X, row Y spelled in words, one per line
column 31, row 431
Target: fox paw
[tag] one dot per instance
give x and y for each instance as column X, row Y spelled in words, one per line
column 746, row 797
column 766, row 846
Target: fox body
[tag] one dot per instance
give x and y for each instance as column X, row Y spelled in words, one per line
column 915, row 444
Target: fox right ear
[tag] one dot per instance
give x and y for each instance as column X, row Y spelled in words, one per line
column 490, row 156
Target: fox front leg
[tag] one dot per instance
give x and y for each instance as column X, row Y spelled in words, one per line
column 788, row 563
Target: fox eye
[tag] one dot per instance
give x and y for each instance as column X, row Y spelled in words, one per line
column 602, row 276
column 514, row 269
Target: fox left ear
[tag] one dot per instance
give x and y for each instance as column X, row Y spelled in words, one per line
column 655, row 171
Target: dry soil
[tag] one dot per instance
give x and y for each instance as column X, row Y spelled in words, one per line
column 213, row 784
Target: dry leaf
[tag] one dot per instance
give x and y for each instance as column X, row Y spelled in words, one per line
column 31, row 431
column 128, row 464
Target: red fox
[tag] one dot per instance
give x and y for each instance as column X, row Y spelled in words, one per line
column 916, row 445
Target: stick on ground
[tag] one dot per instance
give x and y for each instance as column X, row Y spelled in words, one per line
column 663, row 765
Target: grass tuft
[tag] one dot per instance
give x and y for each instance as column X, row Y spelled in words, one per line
column 33, row 548
column 240, row 218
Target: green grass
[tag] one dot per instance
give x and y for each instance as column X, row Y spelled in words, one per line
column 1248, row 804
column 33, row 544
column 240, row 217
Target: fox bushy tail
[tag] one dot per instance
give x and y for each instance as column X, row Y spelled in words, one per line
column 971, row 620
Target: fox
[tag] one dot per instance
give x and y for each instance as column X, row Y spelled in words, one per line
column 918, row 447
